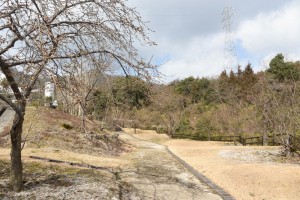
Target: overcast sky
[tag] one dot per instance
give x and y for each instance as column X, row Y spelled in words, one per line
column 191, row 39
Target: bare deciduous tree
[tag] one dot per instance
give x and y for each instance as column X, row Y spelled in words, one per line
column 277, row 108
column 77, row 85
column 48, row 36
column 171, row 108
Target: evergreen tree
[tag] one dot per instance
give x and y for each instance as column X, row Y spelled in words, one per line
column 282, row 70
column 239, row 73
column 247, row 82
column 223, row 75
column 232, row 77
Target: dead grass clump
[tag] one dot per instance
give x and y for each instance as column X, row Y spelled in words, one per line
column 108, row 142
column 53, row 128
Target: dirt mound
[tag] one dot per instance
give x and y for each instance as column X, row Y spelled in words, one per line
column 44, row 127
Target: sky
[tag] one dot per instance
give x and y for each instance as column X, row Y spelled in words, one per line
column 191, row 39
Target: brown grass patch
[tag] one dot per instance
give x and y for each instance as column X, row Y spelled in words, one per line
column 69, row 156
column 45, row 127
column 239, row 173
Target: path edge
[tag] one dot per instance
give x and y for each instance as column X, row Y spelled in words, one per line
column 201, row 177
column 218, row 190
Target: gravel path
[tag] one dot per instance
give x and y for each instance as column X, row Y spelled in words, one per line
column 159, row 175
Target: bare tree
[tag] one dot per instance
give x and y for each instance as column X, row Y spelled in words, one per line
column 40, row 37
column 78, row 84
column 277, row 110
column 171, row 108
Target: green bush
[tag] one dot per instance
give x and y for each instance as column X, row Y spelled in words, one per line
column 67, row 126
column 204, row 129
column 184, row 127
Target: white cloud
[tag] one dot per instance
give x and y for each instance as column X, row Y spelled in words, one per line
column 272, row 32
column 200, row 57
column 190, row 34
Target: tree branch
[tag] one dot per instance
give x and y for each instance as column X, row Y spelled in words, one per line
column 10, row 78
column 33, row 81
column 10, row 103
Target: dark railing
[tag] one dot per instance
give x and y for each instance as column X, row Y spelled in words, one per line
column 296, row 144
column 257, row 140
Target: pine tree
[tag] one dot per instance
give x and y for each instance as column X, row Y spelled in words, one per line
column 282, row 70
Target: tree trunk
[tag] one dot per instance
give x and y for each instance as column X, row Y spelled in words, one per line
column 134, row 128
column 16, row 174
column 82, row 119
column 234, row 137
column 82, row 122
column 288, row 150
column 265, row 139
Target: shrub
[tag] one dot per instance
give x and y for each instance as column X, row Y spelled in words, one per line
column 184, row 127
column 204, row 129
column 67, row 126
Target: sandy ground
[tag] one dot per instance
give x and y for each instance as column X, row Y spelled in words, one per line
column 244, row 172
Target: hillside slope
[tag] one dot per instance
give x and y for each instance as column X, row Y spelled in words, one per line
column 56, row 136
column 49, row 128
column 62, row 163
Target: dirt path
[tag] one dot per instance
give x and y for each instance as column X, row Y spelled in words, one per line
column 159, row 175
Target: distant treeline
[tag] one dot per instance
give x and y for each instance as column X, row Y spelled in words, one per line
column 238, row 103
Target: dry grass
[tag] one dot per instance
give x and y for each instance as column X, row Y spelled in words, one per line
column 251, row 172
column 45, row 128
column 46, row 137
column 47, row 181
column 147, row 172
column 245, row 172
column 68, row 156
column 43, row 119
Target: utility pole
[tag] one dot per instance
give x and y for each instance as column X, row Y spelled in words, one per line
column 230, row 57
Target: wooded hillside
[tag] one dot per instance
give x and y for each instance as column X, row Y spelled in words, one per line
column 239, row 105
